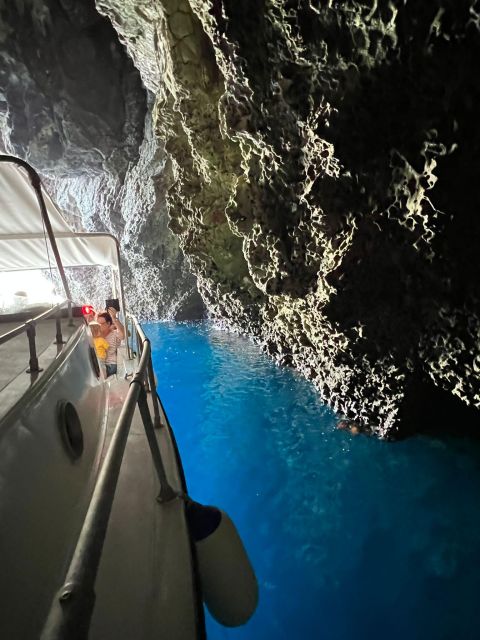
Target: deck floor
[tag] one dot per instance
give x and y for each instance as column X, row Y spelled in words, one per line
column 15, row 357
column 145, row 588
column 149, row 561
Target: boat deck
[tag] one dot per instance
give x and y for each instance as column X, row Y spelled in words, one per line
column 145, row 586
column 149, row 563
column 15, row 355
column 58, row 469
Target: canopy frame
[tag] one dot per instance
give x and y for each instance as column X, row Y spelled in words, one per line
column 68, row 234
column 37, row 186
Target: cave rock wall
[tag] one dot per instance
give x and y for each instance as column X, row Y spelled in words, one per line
column 318, row 161
column 72, row 104
column 322, row 172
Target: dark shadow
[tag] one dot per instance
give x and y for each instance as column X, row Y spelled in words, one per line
column 429, row 410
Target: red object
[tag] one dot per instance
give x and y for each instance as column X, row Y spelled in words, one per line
column 87, row 309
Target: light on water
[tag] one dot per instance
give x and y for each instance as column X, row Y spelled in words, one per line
column 351, row 538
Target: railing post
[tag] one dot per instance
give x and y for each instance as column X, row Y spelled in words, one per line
column 167, row 493
column 138, row 340
column 58, row 325
column 157, row 423
column 146, row 383
column 139, row 344
column 127, row 335
column 70, row 314
column 146, row 380
column 33, row 363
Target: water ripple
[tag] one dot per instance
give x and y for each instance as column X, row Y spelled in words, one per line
column 351, row 538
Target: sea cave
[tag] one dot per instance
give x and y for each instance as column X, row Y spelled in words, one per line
column 303, row 172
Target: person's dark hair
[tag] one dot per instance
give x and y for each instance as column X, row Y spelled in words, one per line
column 107, row 316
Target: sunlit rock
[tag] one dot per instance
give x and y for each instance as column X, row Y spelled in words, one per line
column 323, row 162
column 320, row 176
column 73, row 105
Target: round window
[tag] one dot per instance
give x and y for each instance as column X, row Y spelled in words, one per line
column 70, row 429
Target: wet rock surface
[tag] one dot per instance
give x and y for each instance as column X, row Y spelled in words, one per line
column 73, row 105
column 321, row 179
column 323, row 159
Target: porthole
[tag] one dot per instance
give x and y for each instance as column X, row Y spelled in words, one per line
column 70, row 429
column 94, row 359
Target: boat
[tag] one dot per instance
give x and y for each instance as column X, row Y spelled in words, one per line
column 99, row 537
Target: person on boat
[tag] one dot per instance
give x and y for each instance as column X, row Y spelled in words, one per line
column 114, row 332
column 101, row 345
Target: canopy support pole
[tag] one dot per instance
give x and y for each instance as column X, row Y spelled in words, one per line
column 37, row 185
column 122, row 301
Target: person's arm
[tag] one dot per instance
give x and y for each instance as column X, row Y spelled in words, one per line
column 116, row 323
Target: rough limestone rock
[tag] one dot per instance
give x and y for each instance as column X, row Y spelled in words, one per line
column 72, row 104
column 323, row 161
column 319, row 164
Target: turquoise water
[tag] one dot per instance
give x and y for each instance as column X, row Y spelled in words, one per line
column 351, row 538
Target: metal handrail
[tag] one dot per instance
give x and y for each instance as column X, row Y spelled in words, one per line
column 150, row 384
column 29, row 328
column 42, row 316
column 72, row 608
column 37, row 186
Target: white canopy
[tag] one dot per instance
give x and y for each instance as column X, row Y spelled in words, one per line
column 24, row 240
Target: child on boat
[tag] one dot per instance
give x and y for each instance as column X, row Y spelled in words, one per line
column 101, row 345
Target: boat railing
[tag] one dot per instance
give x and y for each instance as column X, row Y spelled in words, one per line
column 72, row 607
column 28, row 327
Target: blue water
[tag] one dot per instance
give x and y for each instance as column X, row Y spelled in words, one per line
column 351, row 538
